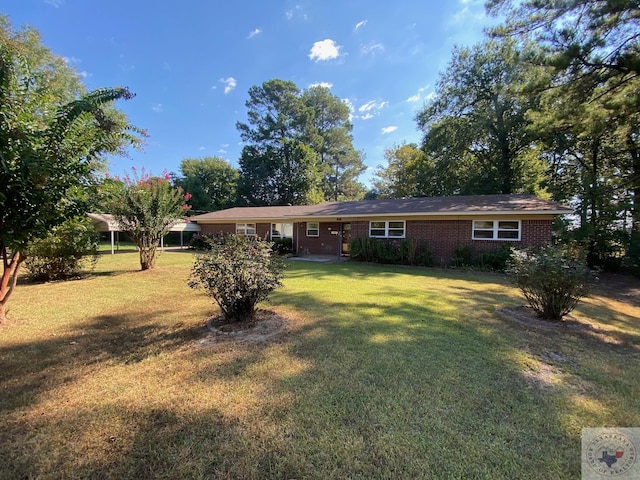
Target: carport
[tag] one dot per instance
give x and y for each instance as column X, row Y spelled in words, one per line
column 104, row 222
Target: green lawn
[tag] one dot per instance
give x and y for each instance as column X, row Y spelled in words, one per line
column 386, row 372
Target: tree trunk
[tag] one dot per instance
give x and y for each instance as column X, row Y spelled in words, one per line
column 11, row 266
column 147, row 258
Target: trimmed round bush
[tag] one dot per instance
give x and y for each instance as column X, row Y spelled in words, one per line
column 553, row 279
column 238, row 272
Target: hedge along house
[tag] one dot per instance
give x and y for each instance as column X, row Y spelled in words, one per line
column 443, row 224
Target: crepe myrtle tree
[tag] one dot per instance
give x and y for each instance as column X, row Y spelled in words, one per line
column 238, row 272
column 145, row 207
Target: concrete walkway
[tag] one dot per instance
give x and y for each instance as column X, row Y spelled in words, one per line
column 319, row 258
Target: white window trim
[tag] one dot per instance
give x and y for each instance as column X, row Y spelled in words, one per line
column 386, row 229
column 316, row 229
column 495, row 230
column 244, row 227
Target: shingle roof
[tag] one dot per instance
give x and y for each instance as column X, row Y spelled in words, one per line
column 454, row 205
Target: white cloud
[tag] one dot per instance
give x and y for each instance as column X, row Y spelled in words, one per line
column 255, row 32
column 414, row 98
column 54, row 3
column 157, row 108
column 372, row 106
column 371, row 48
column 295, row 12
column 229, row 84
column 367, row 116
column 324, row 50
column 360, row 24
column 202, row 149
column 322, row 84
column 389, row 129
column 71, row 60
column 222, row 151
column 84, row 74
column 473, row 11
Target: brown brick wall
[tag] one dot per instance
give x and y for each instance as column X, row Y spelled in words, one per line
column 325, row 243
column 444, row 236
column 441, row 236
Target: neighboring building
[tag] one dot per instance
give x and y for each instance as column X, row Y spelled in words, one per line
column 104, row 222
column 482, row 222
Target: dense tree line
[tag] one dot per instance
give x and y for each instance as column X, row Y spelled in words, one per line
column 548, row 104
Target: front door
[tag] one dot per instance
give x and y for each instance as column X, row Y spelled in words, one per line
column 346, row 238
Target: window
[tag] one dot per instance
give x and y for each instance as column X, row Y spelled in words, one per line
column 313, row 229
column 282, row 230
column 496, row 230
column 247, row 229
column 380, row 229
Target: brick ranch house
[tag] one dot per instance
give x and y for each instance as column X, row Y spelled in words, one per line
column 482, row 222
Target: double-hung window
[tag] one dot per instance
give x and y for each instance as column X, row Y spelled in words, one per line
column 246, row 229
column 384, row 229
column 313, row 229
column 496, row 230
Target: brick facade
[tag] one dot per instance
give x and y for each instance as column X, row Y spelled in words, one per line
column 442, row 237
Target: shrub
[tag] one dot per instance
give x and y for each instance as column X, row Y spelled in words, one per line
column 552, row 279
column 64, row 252
column 406, row 251
column 204, row 242
column 238, row 272
column 497, row 259
column 283, row 246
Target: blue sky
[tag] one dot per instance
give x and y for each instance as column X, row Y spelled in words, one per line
column 191, row 63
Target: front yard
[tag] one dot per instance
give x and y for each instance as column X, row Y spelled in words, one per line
column 382, row 372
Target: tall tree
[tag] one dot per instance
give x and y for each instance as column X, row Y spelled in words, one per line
column 275, row 165
column 475, row 129
column 329, row 135
column 52, row 136
column 299, row 147
column 211, row 181
column 592, row 49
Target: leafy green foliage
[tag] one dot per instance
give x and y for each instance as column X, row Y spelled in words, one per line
column 52, row 138
column 552, row 279
column 407, row 174
column 329, row 135
column 406, row 251
column 299, row 148
column 475, row 128
column 492, row 260
column 64, row 252
column 238, row 272
column 146, row 207
column 587, row 113
column 211, row 181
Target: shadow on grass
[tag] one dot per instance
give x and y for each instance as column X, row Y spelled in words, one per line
column 395, row 383
column 34, row 368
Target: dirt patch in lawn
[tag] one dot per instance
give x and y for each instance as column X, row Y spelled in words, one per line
column 527, row 317
column 267, row 327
